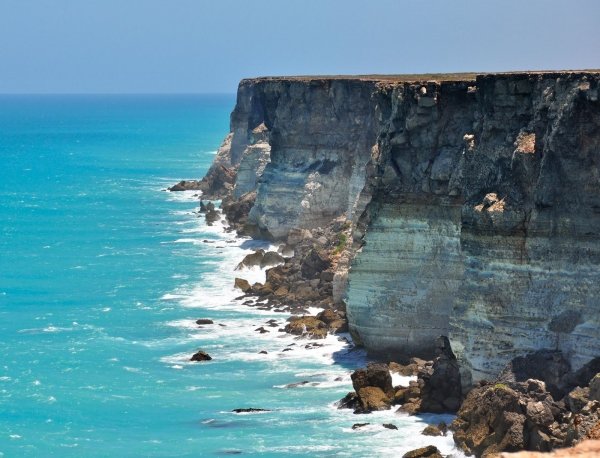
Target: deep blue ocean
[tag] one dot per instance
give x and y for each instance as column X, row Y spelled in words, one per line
column 102, row 276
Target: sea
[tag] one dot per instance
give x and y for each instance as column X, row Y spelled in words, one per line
column 103, row 274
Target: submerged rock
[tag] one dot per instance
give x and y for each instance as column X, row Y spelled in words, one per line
column 250, row 410
column 186, row 185
column 204, row 321
column 359, row 425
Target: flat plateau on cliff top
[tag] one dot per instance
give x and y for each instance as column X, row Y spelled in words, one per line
column 414, row 77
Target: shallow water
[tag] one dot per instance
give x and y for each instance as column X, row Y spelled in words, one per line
column 102, row 276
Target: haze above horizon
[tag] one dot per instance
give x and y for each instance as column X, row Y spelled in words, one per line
column 189, row 46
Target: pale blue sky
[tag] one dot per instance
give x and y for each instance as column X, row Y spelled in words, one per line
column 208, row 46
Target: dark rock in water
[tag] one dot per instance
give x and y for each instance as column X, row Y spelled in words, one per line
column 252, row 259
column 306, row 326
column 263, row 352
column 375, row 374
column 359, row 425
column 229, row 452
column 250, row 410
column 374, row 390
column 350, row 401
column 207, row 208
column 186, row 185
column 271, row 258
column 426, row 452
column 204, row 321
column 297, row 384
column 389, row 426
column 200, row 356
column 335, row 320
column 372, row 398
column 242, row 284
column 287, row 349
column 212, row 216
column 262, row 330
column 431, row 430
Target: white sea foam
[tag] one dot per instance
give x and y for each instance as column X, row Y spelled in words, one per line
column 402, row 380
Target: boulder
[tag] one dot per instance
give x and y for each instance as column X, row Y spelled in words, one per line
column 295, row 236
column 306, row 325
column 595, row 388
column 242, row 284
column 252, row 259
column 237, row 211
column 350, row 401
column 249, row 410
column 411, row 407
column 432, row 430
column 359, row 425
column 200, row 355
column 212, row 216
column 328, row 316
column 577, row 399
column 510, row 416
column 315, row 262
column 389, row 426
column 404, row 370
column 338, row 326
column 373, row 398
column 375, row 375
column 186, row 185
column 425, row 452
column 271, row 258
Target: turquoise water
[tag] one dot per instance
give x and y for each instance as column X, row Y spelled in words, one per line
column 102, row 276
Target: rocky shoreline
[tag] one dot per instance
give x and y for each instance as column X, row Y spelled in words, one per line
column 536, row 403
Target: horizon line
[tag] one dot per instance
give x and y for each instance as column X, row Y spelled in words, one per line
column 113, row 93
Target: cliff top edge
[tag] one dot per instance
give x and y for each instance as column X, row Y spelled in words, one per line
column 422, row 77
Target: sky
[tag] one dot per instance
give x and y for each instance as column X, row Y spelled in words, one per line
column 207, row 46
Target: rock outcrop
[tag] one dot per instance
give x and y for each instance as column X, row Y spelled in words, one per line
column 473, row 204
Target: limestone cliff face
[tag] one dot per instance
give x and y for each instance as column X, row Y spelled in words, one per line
column 475, row 203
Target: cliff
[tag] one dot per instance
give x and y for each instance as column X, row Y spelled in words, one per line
column 474, row 202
